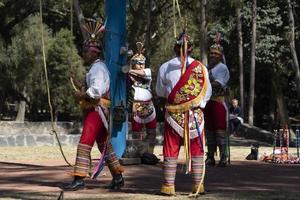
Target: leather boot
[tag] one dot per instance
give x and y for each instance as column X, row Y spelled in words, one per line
column 77, row 184
column 117, row 182
column 223, row 156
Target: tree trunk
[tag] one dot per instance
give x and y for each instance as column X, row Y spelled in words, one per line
column 272, row 110
column 241, row 55
column 252, row 70
column 21, row 107
column 203, row 33
column 281, row 106
column 148, row 41
column 292, row 46
column 80, row 17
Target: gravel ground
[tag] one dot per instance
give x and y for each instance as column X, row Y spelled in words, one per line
column 37, row 172
column 40, row 153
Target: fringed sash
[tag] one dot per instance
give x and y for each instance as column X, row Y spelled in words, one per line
column 190, row 90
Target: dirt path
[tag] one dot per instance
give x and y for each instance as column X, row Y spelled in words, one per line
column 42, row 178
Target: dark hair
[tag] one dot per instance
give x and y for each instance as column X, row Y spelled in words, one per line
column 178, row 44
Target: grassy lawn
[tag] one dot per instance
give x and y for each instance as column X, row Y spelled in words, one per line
column 40, row 153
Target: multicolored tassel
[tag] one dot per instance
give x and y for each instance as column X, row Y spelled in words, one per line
column 101, row 163
column 184, row 54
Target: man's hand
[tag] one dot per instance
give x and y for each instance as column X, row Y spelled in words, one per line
column 137, row 72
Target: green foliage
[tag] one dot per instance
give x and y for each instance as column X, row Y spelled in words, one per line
column 21, row 61
column 62, row 58
column 22, row 67
column 269, row 31
column 24, row 58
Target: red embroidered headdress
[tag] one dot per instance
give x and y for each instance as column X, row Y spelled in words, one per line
column 216, row 47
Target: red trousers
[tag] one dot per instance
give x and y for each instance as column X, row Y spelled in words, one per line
column 93, row 129
column 136, row 126
column 215, row 115
column 173, row 141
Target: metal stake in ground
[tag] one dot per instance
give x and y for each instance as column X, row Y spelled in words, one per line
column 297, row 140
column 287, row 139
column 281, row 135
column 274, row 143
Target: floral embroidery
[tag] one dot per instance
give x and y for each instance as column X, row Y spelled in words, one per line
column 143, row 109
column 192, row 88
column 179, row 118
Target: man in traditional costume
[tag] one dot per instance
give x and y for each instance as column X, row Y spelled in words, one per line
column 94, row 100
column 184, row 82
column 143, row 111
column 215, row 112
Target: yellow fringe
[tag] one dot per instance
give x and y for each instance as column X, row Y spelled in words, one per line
column 79, row 174
column 190, row 104
column 218, row 98
column 195, row 188
column 105, row 102
column 168, row 190
column 117, row 170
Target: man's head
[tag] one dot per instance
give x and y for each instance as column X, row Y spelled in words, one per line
column 92, row 47
column 90, row 54
column 235, row 102
column 138, row 64
column 138, row 60
column 215, row 54
column 216, row 51
column 182, row 38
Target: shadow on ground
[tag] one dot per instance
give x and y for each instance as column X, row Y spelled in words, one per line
column 240, row 180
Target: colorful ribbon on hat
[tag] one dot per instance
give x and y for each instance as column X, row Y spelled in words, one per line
column 184, row 64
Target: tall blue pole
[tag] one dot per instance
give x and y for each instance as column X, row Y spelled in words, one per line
column 114, row 39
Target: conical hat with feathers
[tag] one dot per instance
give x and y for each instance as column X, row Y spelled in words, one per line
column 139, row 57
column 216, row 47
column 93, row 30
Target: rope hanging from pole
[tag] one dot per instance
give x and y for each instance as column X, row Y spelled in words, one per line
column 176, row 5
column 48, row 89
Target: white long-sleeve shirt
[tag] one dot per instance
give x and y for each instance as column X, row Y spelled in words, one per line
column 220, row 73
column 142, row 92
column 97, row 80
column 168, row 76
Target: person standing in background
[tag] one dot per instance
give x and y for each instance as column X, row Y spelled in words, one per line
column 215, row 112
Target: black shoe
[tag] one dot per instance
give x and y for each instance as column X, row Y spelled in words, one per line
column 77, row 184
column 222, row 162
column 210, row 161
column 117, row 182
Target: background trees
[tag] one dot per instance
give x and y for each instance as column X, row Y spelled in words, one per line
column 276, row 73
